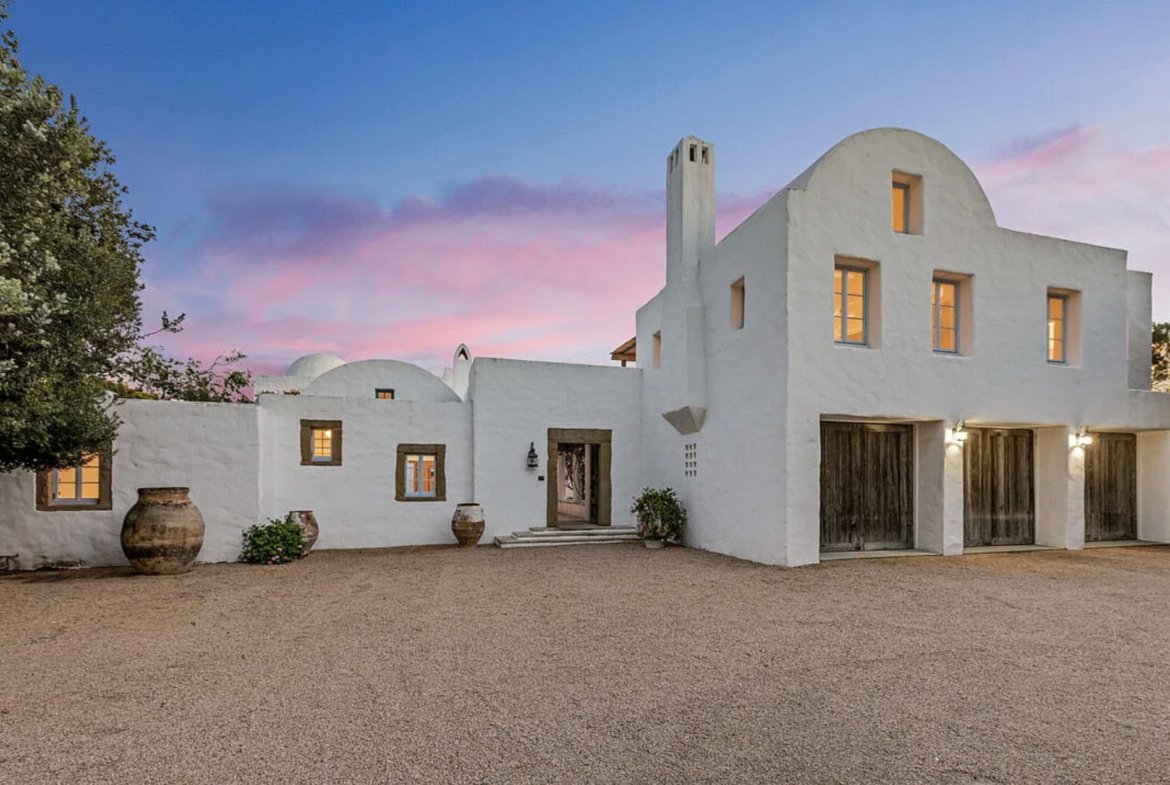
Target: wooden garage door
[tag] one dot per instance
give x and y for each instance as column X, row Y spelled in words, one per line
column 867, row 486
column 1111, row 487
column 999, row 499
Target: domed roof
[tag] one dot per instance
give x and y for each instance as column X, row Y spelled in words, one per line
column 314, row 364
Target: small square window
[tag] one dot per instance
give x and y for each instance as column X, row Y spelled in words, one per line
column 320, row 442
column 384, row 394
column 84, row 486
column 421, row 473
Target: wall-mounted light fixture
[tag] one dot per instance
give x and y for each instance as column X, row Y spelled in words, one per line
column 957, row 434
column 1082, row 438
column 533, row 458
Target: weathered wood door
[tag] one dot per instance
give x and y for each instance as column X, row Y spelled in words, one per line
column 867, row 486
column 1111, row 487
column 999, row 497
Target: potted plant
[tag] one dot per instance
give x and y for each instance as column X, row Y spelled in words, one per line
column 661, row 516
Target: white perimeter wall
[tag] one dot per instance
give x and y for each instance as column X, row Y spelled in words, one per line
column 209, row 447
column 515, row 404
column 354, row 502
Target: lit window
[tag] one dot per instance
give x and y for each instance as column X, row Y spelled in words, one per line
column 906, row 203
column 850, row 289
column 420, row 474
column 1057, row 328
column 83, row 486
column 737, row 302
column 321, row 442
column 384, row 394
column 944, row 316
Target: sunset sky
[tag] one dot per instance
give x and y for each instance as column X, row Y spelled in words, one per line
column 390, row 179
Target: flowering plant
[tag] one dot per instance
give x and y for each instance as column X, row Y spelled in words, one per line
column 661, row 515
column 274, row 542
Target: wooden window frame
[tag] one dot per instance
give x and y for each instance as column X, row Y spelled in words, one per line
column 440, row 453
column 378, row 393
column 844, row 317
column 1064, row 299
column 936, row 315
column 307, row 428
column 105, row 500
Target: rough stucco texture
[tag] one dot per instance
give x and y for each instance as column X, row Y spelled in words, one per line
column 490, row 666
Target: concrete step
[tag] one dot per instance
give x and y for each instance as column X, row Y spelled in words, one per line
column 512, row 541
column 605, row 531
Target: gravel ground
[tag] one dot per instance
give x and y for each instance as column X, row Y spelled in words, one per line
column 593, row 664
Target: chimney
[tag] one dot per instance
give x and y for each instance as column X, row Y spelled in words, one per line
column 690, row 206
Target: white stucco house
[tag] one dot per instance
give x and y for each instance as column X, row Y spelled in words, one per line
column 867, row 362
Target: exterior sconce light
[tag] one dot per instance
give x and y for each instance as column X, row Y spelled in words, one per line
column 1081, row 438
column 958, row 434
column 533, row 458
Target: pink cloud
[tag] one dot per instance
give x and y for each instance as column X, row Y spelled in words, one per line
column 1082, row 184
column 511, row 268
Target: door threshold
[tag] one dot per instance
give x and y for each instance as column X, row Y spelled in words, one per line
column 881, row 554
column 1120, row 543
column 976, row 549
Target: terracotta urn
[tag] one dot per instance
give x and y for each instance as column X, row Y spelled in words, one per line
column 163, row 532
column 467, row 523
column 308, row 523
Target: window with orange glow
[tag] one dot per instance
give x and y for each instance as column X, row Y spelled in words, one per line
column 80, row 484
column 850, row 309
column 322, row 442
column 420, row 475
column 900, row 207
column 944, row 313
column 1057, row 324
column 384, row 394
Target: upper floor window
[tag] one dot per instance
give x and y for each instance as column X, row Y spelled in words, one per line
column 384, row 394
column 850, row 305
column 1057, row 328
column 320, row 442
column 84, row 486
column 944, row 316
column 737, row 302
column 906, row 203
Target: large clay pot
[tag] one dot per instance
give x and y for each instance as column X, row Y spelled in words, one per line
column 163, row 532
column 467, row 523
column 308, row 522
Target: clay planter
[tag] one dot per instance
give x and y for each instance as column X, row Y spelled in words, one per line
column 467, row 523
column 308, row 523
column 163, row 532
column 654, row 543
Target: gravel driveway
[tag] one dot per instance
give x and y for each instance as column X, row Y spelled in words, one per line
column 593, row 664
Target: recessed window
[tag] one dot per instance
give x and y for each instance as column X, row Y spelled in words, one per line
column 420, row 473
column 658, row 349
column 384, row 394
column 944, row 316
column 84, row 486
column 320, row 442
column 737, row 302
column 1057, row 328
column 906, row 203
column 850, row 305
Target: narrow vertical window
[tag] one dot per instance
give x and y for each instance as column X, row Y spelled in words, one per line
column 900, row 207
column 850, row 287
column 658, row 349
column 1057, row 328
column 944, row 316
column 737, row 302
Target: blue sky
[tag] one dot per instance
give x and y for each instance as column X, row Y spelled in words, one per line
column 248, row 132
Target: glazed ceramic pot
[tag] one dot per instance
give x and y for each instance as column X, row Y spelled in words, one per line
column 308, row 524
column 467, row 523
column 163, row 532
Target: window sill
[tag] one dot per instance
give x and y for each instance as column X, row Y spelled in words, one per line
column 320, row 463
column 950, row 355
column 420, row 498
column 846, row 345
column 97, row 506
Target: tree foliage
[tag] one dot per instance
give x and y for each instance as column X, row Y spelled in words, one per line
column 70, row 254
column 1161, row 356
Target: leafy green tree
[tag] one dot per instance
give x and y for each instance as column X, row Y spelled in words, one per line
column 1161, row 356
column 70, row 255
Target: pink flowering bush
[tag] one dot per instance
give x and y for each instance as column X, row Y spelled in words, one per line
column 660, row 514
column 274, row 542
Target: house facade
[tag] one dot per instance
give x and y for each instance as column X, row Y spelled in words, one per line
column 867, row 362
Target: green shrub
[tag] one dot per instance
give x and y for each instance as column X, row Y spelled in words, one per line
column 661, row 515
column 274, row 542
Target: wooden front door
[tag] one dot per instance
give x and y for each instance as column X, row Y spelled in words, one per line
column 999, row 498
column 1111, row 487
column 867, row 486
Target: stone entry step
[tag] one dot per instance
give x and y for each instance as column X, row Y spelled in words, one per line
column 543, row 537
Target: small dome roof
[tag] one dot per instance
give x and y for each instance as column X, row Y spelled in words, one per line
column 314, row 364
